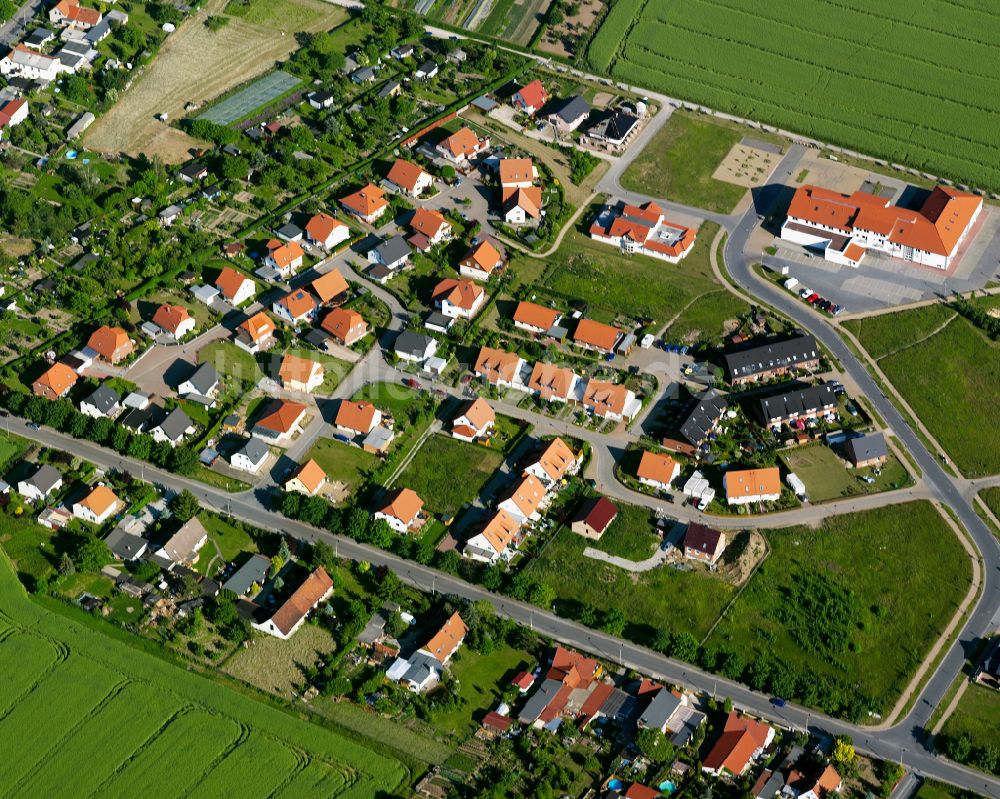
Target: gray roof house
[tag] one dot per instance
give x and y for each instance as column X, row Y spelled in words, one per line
column 124, row 545
column 289, row 232
column 364, row 75
column 173, row 428
column 183, row 546
column 136, row 419
column 416, row 347
column 867, row 450
column 105, row 401
column 570, row 113
column 659, row 710
column 42, row 482
column 251, row 456
column 202, row 381
column 391, row 253
column 253, row 571
column 771, row 358
column 702, row 419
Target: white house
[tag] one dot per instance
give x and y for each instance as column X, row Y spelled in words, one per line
column 475, row 420
column 296, row 307
column 494, row 542
column 98, row 506
column 44, row 481
column 525, row 500
column 402, row 510
column 327, row 232
column 414, row 347
column 459, row 299
column 251, row 456
column 642, row 230
column 236, row 287
column 292, row 613
column 105, row 401
column 24, row 63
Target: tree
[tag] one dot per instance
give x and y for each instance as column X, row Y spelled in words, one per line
column 357, row 524
column 236, row 167
column 654, row 745
column 684, row 646
column 184, row 460
column 185, row 505
column 90, row 553
column 614, row 622
column 843, row 755
column 66, row 565
column 147, row 571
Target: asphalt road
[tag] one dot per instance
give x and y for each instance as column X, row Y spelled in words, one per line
column 12, row 30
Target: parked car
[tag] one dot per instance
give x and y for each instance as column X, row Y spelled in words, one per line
column 777, row 701
column 411, row 382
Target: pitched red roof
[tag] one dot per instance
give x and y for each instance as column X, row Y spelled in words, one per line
column 316, row 586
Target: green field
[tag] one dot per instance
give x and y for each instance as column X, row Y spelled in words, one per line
column 944, row 379
column 446, row 473
column 883, row 334
column 904, row 82
column 858, row 601
column 827, row 477
column 977, row 718
column 630, row 535
column 115, row 721
column 391, row 397
column 230, row 361
column 930, row 789
column 342, row 462
column 230, row 539
column 991, row 496
column 678, row 163
column 661, row 599
column 614, row 284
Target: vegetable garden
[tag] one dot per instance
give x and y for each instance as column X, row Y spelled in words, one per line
column 910, row 84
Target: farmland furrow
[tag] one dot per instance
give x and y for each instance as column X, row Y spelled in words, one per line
column 243, row 765
column 23, row 665
column 242, row 737
column 880, row 16
column 302, row 760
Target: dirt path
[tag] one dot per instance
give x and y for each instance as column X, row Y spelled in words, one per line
column 197, row 65
column 921, row 340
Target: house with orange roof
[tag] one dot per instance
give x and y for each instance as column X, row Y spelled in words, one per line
column 173, row 320
column 367, row 204
column 331, row 288
column 642, row 230
column 462, row 146
column 284, row 257
column 401, row 510
column 345, row 325
column 255, row 334
column 111, row 344
column 520, row 205
column 296, row 307
column 280, row 421
column 357, row 418
column 447, row 640
column 534, row 318
column 458, row 299
column 429, row 228
column 236, row 287
column 569, row 672
column 55, row 382
column 516, row 173
column 300, row 374
column 408, row 178
column 592, row 335
column 657, row 470
column 499, row 368
column 554, row 383
column 746, row 486
column 495, row 540
column 525, row 501
column 475, row 420
column 812, row 783
column 292, row 613
column 742, row 740
column 845, row 226
column 98, row 506
column 70, row 14
column 308, row 479
column 554, row 462
column 326, row 232
column 423, row 669
column 610, row 401
column 530, row 98
column 482, row 261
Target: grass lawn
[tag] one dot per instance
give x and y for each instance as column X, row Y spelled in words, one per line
column 614, row 284
column 630, row 535
column 826, row 477
column 392, row 397
column 482, row 679
column 334, row 369
column 230, row 361
column 213, row 478
column 230, row 539
column 977, row 715
column 931, row 789
column 945, row 379
column 275, row 665
column 893, row 577
column 991, row 496
column 342, row 462
column 884, row 334
column 679, row 162
column 702, row 321
column 11, row 447
column 652, row 601
column 446, row 473
column 27, row 544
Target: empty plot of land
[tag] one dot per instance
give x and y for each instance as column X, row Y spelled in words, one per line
column 196, row 65
column 257, row 94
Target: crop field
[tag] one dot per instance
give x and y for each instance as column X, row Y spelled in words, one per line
column 909, row 83
column 433, row 473
column 944, row 378
column 881, row 586
column 245, row 101
column 514, row 20
column 197, row 65
column 114, row 721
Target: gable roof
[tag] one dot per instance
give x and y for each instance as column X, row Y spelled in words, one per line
column 605, row 397
column 410, row 343
column 533, row 94
column 572, row 108
column 556, row 459
column 516, row 170
column 100, row 500
column 702, row 538
column 597, row 513
column 741, row 737
column 169, row 317
column 257, row 326
column 463, row 142
column 321, row 225
column 405, row 174
column 105, row 341
column 393, row 249
column 182, row 545
column 703, row 417
column 58, row 378
column 286, row 253
column 550, row 380
column 533, row 315
column 867, row 447
column 656, row 466
column 403, row 504
column 254, row 449
column 528, row 198
column 72, row 10
column 355, row 415
column 462, row 294
column 294, row 368
column 500, row 530
column 477, row 411
column 527, row 495
column 316, row 586
column 496, row 364
column 485, row 256
column 311, row 475
column 204, row 378
column 444, row 643
column 230, row 281
column 366, row 201
column 44, row 478
column 104, row 398
column 175, row 424
column 298, row 302
column 770, row 355
column 341, row 321
column 428, row 222
column 752, row 482
column 281, row 415
column 596, row 334
column 328, row 286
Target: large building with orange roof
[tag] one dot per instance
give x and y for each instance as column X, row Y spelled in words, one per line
column 174, row 320
column 462, row 145
column 499, row 368
column 286, row 258
column 401, row 510
column 281, row 420
column 459, row 299
column 475, row 419
column 346, row 325
column 642, row 230
column 554, row 383
column 98, row 506
column 495, row 539
column 746, row 486
column 325, row 231
column 525, row 500
column 55, row 382
column 112, row 344
column 367, row 204
column 409, row 178
column 845, row 226
column 482, row 261
column 236, row 287
column 593, row 335
column 657, row 470
column 554, row 462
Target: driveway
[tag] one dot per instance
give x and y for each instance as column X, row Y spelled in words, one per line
column 148, row 373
